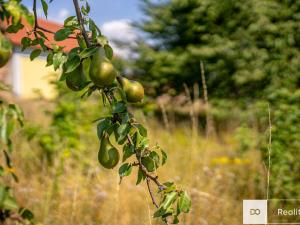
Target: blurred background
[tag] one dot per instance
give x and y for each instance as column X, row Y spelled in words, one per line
column 218, row 75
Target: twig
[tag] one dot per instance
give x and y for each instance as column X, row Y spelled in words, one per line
column 150, row 192
column 209, row 121
column 81, row 22
column 192, row 111
column 36, row 23
column 269, row 151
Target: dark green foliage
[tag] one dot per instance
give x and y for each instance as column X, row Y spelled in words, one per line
column 249, row 48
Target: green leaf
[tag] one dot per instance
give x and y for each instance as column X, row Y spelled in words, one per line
column 14, row 28
column 62, row 34
column 10, row 203
column 71, row 21
column 137, row 139
column 184, row 202
column 74, row 52
column 58, row 58
column 151, row 162
column 45, row 7
column 87, row 52
column 164, row 157
column 160, row 212
column 169, row 199
column 35, row 53
column 122, row 132
column 49, row 59
column 170, row 186
column 118, row 107
column 72, row 63
column 128, row 151
column 108, row 51
column 102, row 126
column 144, row 142
column 125, row 170
column 142, row 129
column 26, row 214
column 175, row 220
column 141, row 176
column 42, row 34
column 1, row 170
column 102, row 40
column 85, row 10
column 122, row 94
column 18, row 113
column 87, row 7
column 26, row 42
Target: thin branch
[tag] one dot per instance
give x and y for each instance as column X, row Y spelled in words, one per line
column 35, row 15
column 269, row 151
column 81, row 23
column 36, row 23
column 150, row 192
column 209, row 120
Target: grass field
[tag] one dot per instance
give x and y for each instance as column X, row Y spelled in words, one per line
column 77, row 190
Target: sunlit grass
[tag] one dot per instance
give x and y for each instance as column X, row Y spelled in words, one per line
column 77, row 190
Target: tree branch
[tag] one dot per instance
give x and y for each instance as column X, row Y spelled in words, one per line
column 81, row 23
column 150, row 192
column 149, row 177
column 36, row 24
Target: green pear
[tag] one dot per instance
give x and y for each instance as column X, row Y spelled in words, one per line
column 134, row 90
column 76, row 80
column 108, row 155
column 102, row 71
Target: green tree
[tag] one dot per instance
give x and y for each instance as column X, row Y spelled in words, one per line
column 250, row 48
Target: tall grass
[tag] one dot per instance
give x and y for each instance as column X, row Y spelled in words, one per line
column 77, row 190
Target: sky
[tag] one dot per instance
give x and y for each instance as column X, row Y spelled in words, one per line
column 112, row 16
column 102, row 11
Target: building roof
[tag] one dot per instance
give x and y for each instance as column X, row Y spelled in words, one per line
column 49, row 25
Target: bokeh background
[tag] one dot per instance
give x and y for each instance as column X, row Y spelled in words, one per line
column 222, row 81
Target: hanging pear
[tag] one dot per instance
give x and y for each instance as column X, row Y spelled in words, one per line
column 102, row 71
column 134, row 90
column 76, row 80
column 108, row 155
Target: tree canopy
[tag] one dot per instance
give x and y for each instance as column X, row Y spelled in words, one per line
column 249, row 48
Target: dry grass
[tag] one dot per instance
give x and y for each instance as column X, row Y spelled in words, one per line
column 79, row 191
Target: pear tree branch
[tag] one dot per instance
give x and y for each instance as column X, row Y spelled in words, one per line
column 36, row 25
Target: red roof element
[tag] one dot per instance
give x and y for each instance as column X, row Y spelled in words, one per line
column 49, row 25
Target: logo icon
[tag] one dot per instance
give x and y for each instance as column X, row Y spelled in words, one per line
column 255, row 212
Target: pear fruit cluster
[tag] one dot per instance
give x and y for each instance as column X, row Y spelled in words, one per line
column 103, row 74
column 5, row 50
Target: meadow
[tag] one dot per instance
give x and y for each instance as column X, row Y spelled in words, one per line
column 72, row 188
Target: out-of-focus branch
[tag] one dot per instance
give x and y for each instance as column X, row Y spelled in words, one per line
column 36, row 24
column 81, row 23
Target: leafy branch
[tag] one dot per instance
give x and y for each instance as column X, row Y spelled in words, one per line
column 88, row 68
